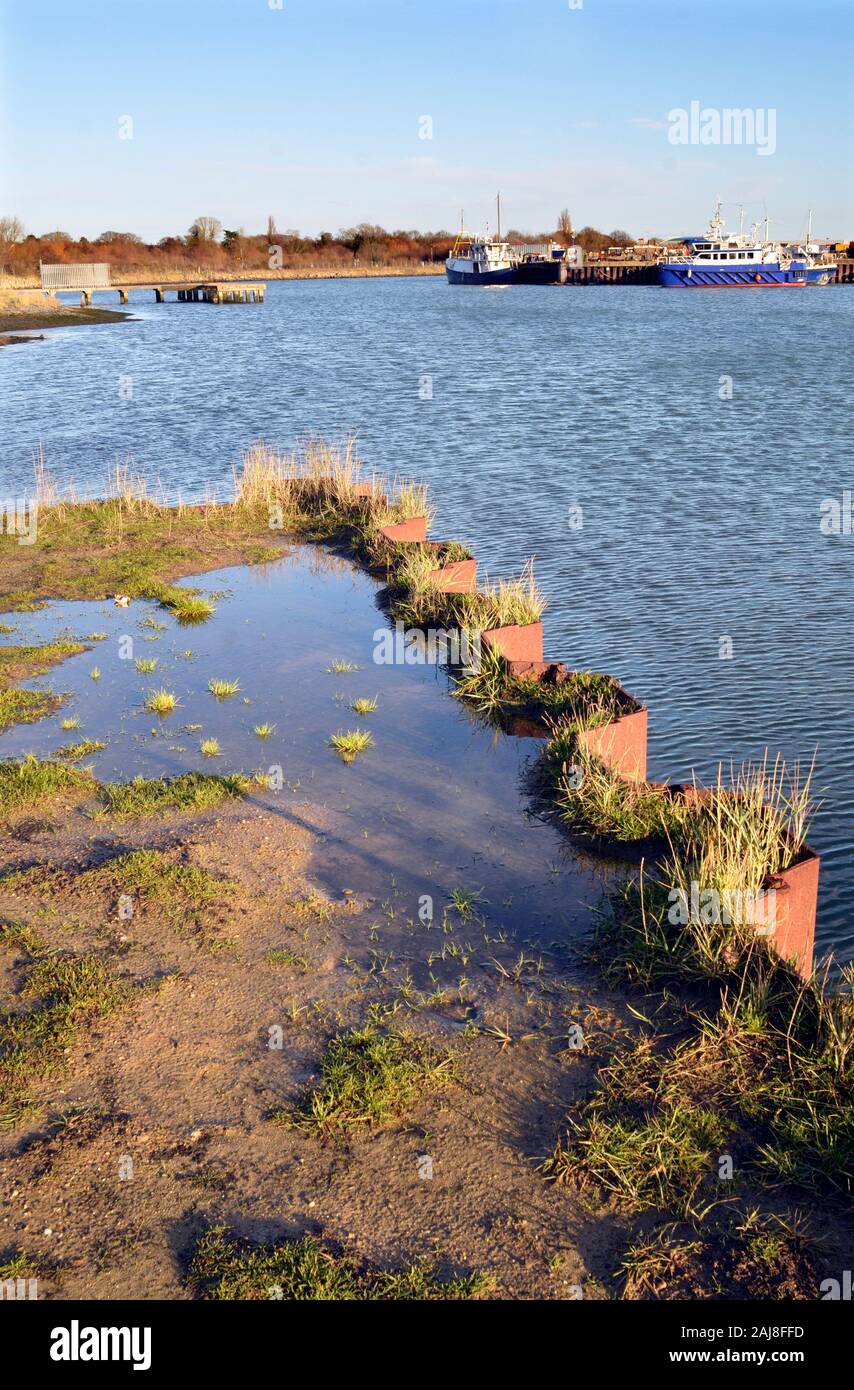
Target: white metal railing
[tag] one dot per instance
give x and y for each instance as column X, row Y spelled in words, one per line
column 87, row 276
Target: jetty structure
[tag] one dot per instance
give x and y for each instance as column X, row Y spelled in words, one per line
column 92, row 278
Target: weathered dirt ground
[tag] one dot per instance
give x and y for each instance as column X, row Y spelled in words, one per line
column 181, row 1081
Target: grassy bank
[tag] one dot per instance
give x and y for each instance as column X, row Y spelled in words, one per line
column 38, row 311
column 719, row 1108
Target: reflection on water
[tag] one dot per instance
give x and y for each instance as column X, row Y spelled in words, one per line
column 700, row 515
column 436, row 804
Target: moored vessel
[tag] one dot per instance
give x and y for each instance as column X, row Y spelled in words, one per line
column 720, row 260
column 487, row 260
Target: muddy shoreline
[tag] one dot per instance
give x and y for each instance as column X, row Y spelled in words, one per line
column 282, row 1044
column 13, row 322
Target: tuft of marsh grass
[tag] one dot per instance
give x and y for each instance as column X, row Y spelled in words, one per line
column 224, row 1268
column 191, row 608
column 95, row 673
column 341, row 668
column 75, row 751
column 223, row 689
column 504, row 603
column 350, row 743
column 192, row 791
column 593, row 799
column 70, row 724
column 366, row 1079
column 365, row 705
column 264, row 730
column 145, row 665
column 161, row 702
column 464, row 901
column 415, row 599
column 210, row 747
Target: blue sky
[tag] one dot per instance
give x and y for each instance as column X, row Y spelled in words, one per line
column 312, row 112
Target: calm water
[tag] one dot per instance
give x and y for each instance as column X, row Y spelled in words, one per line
column 700, row 515
column 435, row 805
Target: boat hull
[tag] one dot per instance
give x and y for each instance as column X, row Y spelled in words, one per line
column 750, row 277
column 481, row 277
column 526, row 273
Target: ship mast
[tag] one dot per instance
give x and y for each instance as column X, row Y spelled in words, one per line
column 498, row 211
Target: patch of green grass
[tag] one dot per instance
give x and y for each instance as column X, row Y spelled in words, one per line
column 653, row 1155
column 182, row 891
column 68, row 725
column 66, row 996
column 192, row 791
column 145, row 665
column 365, row 705
column 264, row 730
column 31, row 780
column 223, row 689
column 279, row 956
column 21, row 1266
column 341, row 668
column 765, row 1072
column 23, row 662
column 75, row 751
column 758, row 1258
column 348, row 745
column 96, row 637
column 210, row 747
column 161, row 702
column 367, row 1079
column 224, row 1268
column 25, row 706
column 19, row 663
column 6, row 628
column 594, row 800
column 581, row 700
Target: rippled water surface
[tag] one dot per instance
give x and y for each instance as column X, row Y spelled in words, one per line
column 700, row 514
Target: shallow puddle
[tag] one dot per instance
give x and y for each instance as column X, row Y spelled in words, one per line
column 436, row 804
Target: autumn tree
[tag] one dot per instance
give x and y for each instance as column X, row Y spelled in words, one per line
column 11, row 232
column 205, row 229
column 564, row 233
column 235, row 243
